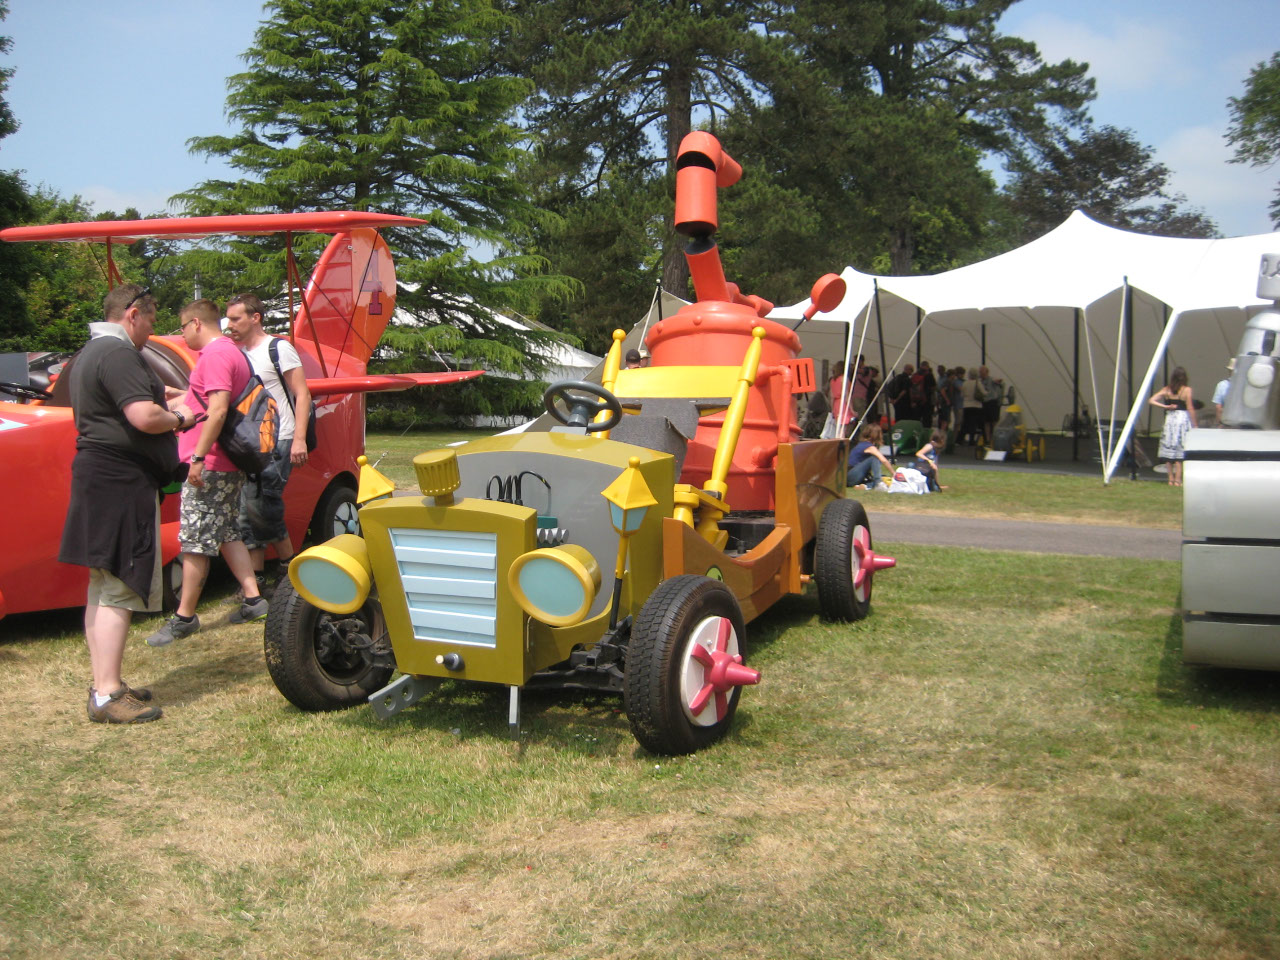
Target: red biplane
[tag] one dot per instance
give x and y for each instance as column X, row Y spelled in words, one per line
column 335, row 324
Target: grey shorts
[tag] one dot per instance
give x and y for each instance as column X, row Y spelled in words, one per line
column 209, row 514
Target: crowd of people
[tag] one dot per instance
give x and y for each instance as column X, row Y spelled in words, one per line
column 962, row 406
column 951, row 398
column 136, row 437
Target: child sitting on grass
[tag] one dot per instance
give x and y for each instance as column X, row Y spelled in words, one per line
column 865, row 458
column 927, row 459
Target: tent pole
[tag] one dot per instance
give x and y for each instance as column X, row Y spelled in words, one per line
column 1075, row 390
column 1167, row 311
column 1143, row 389
column 1128, row 349
column 1151, row 410
column 919, row 323
column 984, row 344
column 884, row 367
column 1112, row 444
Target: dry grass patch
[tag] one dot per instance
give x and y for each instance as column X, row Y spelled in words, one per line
column 1006, row 760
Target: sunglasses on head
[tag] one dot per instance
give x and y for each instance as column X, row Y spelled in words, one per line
column 145, row 292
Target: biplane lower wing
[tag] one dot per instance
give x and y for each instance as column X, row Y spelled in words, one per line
column 384, row 383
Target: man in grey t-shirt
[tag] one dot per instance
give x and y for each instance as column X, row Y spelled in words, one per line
column 124, row 453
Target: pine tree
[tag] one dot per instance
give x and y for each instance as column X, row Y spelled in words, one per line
column 621, row 82
column 392, row 106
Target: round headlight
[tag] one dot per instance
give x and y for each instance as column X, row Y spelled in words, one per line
column 556, row 585
column 335, row 576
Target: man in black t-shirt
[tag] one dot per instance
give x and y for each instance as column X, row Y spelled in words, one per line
column 125, row 452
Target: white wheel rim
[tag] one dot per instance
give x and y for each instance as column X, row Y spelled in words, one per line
column 702, row 706
column 859, row 549
column 346, row 519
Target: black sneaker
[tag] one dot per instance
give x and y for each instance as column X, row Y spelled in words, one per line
column 174, row 628
column 250, row 610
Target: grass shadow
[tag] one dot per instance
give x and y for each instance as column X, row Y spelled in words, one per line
column 211, row 676
column 42, row 625
column 1253, row 691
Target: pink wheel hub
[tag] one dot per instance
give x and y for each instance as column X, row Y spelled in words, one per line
column 866, row 562
column 712, row 668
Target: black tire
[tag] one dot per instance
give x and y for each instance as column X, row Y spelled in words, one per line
column 843, row 535
column 659, row 669
column 335, row 514
column 309, row 665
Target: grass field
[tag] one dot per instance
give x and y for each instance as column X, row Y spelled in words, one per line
column 1006, row 760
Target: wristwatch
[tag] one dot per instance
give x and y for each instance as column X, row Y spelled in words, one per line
column 196, row 458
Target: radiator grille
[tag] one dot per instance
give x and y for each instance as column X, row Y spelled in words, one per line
column 449, row 579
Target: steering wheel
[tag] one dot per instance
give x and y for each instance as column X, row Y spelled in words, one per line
column 579, row 410
column 25, row 390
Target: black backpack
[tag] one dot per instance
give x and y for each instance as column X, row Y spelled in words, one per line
column 274, row 350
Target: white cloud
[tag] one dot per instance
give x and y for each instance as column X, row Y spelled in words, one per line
column 1124, row 55
column 1235, row 195
column 109, row 198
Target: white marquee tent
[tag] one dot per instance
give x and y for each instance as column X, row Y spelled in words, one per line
column 1052, row 314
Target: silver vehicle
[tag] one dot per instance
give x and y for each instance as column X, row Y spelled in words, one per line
column 1230, row 525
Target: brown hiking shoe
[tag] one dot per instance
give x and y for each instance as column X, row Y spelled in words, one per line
column 123, row 707
column 139, row 693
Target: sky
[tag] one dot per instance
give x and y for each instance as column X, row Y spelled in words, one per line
column 107, row 94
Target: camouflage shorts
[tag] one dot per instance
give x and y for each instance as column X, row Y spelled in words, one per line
column 209, row 513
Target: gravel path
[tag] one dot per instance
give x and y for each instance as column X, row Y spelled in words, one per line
column 1026, row 535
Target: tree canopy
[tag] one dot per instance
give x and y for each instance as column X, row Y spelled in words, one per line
column 1109, row 175
column 1255, row 122
column 392, row 105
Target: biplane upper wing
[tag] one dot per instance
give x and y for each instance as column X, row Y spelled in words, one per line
column 344, row 306
column 100, row 231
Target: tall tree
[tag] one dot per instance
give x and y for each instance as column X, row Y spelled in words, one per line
column 936, row 84
column 392, row 105
column 1109, row 175
column 1255, row 122
column 620, row 83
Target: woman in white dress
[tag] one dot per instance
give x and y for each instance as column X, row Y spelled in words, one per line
column 1180, row 416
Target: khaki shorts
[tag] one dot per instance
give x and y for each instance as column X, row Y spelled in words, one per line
column 108, row 590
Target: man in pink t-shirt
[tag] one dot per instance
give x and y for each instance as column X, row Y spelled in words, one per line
column 211, row 496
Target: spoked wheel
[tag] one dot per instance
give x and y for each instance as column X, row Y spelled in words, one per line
column 321, row 661
column 685, row 666
column 336, row 514
column 844, row 561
